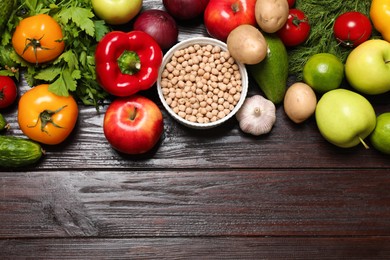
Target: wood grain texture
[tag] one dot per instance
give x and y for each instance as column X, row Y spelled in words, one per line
column 198, row 248
column 207, row 194
column 195, row 203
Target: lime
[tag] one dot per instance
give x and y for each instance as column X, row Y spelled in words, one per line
column 380, row 137
column 323, row 72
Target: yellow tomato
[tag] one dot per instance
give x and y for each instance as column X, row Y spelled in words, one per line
column 380, row 17
column 38, row 39
column 45, row 117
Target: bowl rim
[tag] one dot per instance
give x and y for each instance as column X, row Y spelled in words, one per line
column 202, row 40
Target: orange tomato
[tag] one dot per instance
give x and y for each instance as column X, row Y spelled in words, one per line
column 380, row 17
column 38, row 39
column 45, row 117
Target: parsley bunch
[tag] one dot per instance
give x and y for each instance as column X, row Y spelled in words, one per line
column 73, row 72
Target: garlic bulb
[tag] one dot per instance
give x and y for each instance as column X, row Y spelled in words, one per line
column 257, row 115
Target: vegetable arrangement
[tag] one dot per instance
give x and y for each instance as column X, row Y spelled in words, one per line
column 62, row 32
column 322, row 15
column 70, row 52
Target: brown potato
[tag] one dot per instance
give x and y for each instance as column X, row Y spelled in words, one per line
column 247, row 44
column 271, row 15
column 300, row 102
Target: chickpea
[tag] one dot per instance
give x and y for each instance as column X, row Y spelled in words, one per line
column 182, row 114
column 221, row 114
column 201, row 83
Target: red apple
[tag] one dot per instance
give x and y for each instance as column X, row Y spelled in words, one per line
column 133, row 125
column 222, row 16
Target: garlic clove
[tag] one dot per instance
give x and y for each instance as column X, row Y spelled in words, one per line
column 257, row 115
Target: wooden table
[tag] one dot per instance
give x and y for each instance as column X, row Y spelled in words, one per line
column 199, row 194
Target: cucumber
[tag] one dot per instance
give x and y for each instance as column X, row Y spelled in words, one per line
column 18, row 152
column 3, row 123
column 6, row 8
column 271, row 74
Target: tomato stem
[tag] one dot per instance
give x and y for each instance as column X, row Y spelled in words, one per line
column 35, row 44
column 296, row 21
column 46, row 117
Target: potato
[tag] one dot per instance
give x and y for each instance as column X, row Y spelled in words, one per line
column 247, row 44
column 300, row 102
column 271, row 15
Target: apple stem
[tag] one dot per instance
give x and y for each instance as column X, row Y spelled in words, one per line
column 235, row 7
column 364, row 143
column 133, row 114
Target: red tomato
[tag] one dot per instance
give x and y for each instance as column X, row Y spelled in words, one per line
column 8, row 91
column 296, row 30
column 291, row 3
column 352, row 29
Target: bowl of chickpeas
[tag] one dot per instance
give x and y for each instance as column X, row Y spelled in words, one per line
column 200, row 84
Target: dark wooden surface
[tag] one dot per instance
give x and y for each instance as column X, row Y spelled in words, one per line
column 215, row 193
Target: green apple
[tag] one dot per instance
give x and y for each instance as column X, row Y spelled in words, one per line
column 116, row 12
column 345, row 118
column 380, row 137
column 367, row 67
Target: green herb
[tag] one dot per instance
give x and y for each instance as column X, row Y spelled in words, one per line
column 73, row 72
column 322, row 15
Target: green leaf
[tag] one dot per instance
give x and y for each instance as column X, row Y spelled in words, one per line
column 64, row 84
column 76, row 74
column 48, row 74
column 58, row 87
column 6, row 38
column 29, row 76
column 70, row 82
column 101, row 29
column 70, row 58
column 6, row 73
column 81, row 17
column 31, row 4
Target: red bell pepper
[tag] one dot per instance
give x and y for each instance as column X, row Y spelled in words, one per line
column 127, row 62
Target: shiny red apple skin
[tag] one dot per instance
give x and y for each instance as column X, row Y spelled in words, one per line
column 222, row 16
column 133, row 125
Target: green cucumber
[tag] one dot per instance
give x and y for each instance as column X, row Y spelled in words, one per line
column 271, row 74
column 3, row 123
column 18, row 152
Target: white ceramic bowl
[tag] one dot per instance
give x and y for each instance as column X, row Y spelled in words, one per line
column 201, row 41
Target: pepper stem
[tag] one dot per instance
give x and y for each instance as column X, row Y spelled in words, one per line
column 129, row 62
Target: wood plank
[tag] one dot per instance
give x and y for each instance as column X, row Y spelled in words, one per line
column 198, row 248
column 195, row 203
